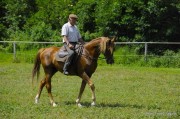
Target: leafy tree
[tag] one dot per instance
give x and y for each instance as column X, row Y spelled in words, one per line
column 86, row 22
column 132, row 20
column 3, row 32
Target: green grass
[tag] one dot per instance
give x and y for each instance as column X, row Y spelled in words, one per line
column 122, row 92
column 123, row 55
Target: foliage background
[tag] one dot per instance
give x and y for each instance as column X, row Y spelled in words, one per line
column 128, row 20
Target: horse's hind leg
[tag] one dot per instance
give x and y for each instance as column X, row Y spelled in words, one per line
column 48, row 87
column 42, row 84
column 46, row 81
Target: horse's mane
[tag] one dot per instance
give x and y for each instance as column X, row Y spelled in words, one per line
column 102, row 43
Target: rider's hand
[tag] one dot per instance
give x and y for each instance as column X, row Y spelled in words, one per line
column 81, row 41
column 71, row 46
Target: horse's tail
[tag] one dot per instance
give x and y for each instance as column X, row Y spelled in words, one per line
column 37, row 64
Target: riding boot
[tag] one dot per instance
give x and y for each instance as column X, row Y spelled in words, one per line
column 69, row 59
column 65, row 68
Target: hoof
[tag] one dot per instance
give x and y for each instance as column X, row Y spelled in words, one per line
column 79, row 105
column 93, row 104
column 54, row 104
column 36, row 100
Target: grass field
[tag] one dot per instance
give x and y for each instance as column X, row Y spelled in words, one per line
column 122, row 92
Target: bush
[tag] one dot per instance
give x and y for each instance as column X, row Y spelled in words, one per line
column 169, row 59
column 154, row 62
column 127, row 55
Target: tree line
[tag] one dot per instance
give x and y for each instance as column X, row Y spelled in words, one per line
column 128, row 20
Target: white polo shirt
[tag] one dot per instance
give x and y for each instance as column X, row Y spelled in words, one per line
column 71, row 32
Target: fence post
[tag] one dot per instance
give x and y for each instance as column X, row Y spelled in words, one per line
column 145, row 51
column 14, row 51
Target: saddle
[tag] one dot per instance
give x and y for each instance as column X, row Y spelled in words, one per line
column 61, row 55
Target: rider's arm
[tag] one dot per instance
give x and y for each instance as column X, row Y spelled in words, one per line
column 66, row 39
column 67, row 42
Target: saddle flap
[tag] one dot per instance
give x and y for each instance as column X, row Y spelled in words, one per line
column 61, row 59
column 61, row 55
column 62, row 52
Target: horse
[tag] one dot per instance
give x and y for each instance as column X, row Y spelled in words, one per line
column 84, row 66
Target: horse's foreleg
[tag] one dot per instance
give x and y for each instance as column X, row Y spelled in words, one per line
column 93, row 94
column 83, row 85
column 42, row 84
column 91, row 85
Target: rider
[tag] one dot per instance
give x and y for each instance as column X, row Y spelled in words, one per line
column 71, row 36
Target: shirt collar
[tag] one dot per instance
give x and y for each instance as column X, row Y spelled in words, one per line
column 69, row 24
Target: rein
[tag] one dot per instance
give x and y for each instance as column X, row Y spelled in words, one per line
column 79, row 50
column 80, row 53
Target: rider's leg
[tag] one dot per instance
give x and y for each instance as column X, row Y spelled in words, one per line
column 69, row 59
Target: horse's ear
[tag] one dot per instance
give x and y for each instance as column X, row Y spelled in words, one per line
column 113, row 39
column 109, row 42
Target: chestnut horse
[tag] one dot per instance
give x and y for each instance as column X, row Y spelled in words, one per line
column 83, row 67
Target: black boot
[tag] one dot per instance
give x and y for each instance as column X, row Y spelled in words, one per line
column 65, row 68
column 69, row 59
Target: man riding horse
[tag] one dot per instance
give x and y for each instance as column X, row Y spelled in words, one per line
column 84, row 66
column 71, row 36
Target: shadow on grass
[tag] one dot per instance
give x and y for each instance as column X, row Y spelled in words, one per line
column 120, row 105
column 115, row 105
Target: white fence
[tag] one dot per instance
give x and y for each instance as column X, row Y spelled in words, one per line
column 148, row 43
column 117, row 43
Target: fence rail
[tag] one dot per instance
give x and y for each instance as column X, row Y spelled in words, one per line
column 116, row 43
column 170, row 43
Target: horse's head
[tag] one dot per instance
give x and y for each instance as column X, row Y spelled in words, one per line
column 107, row 47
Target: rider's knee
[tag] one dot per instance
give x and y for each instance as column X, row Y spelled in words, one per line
column 71, row 53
